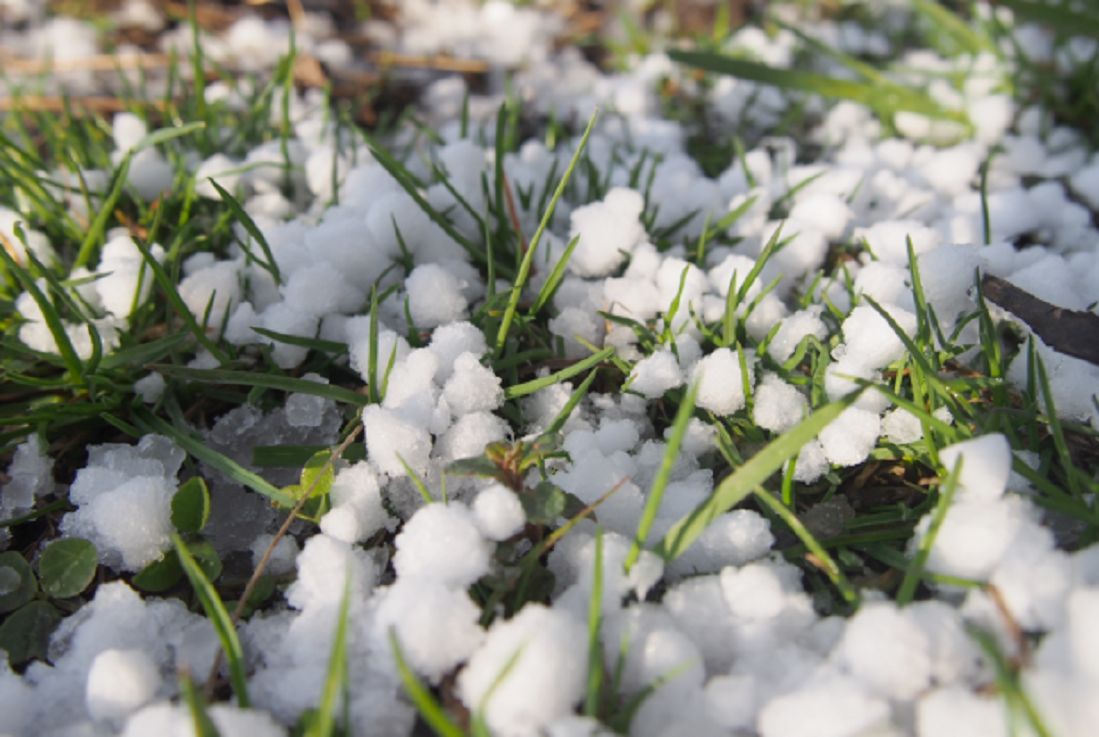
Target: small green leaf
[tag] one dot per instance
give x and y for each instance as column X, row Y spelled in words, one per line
column 67, row 567
column 26, row 632
column 191, row 505
column 160, row 575
column 16, row 581
column 318, row 474
column 475, row 466
column 206, row 557
column 547, row 503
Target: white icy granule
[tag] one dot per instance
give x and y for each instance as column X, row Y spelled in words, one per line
column 778, row 406
column 870, row 341
column 498, row 512
column 37, row 242
column 545, row 679
column 573, row 565
column 320, row 289
column 887, row 651
column 216, row 287
column 1085, row 183
column 985, row 466
column 472, row 387
column 119, row 683
column 411, row 387
column 901, row 426
column 307, row 410
column 793, row 330
column 357, row 330
column 125, row 281
column 357, row 499
column 30, row 475
column 391, row 438
column 324, row 566
column 830, row 706
column 608, row 231
column 574, row 324
column 698, row 607
column 974, row 536
column 959, row 712
column 826, row 213
column 16, row 701
column 753, row 592
column 469, row 435
column 127, row 514
column 283, row 558
column 955, row 656
column 150, row 387
column 435, row 625
column 435, row 296
column 733, row 538
column 164, row 718
column 656, row 374
column 848, row 439
column 721, row 382
column 441, row 543
column 219, row 168
column 811, row 463
column 888, row 239
column 281, row 317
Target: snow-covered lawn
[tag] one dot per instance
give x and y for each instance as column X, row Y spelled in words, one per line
column 562, row 400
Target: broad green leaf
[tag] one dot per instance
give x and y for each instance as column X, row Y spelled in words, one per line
column 160, row 575
column 544, row 504
column 191, row 505
column 25, row 633
column 17, row 583
column 743, row 480
column 67, row 566
column 476, row 466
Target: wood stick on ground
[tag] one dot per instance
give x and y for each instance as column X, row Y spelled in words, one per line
column 1071, row 332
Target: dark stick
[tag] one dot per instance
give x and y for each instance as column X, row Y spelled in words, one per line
column 1071, row 332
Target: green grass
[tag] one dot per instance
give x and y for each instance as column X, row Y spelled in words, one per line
column 77, row 396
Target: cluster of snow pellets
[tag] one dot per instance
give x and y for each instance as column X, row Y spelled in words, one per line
column 816, row 258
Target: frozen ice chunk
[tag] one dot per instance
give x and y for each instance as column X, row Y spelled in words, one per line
column 356, row 490
column 870, row 341
column 901, row 426
column 120, row 682
column 307, row 410
column 826, row 707
column 734, row 538
column 435, row 624
column 391, row 439
column 974, row 535
column 721, row 381
column 547, row 655
column 164, row 718
column 320, row 289
column 793, row 330
column 656, row 374
column 986, row 466
column 30, row 475
column 441, row 542
column 778, row 406
column 498, row 512
column 452, row 340
column 359, row 347
column 470, row 434
column 435, row 296
column 849, row 438
column 216, row 287
column 608, row 231
column 959, row 712
column 150, row 387
column 324, row 566
column 472, row 387
column 574, row 324
column 887, row 651
column 125, row 280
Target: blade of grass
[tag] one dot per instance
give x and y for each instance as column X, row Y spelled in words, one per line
column 209, row 456
column 916, row 566
column 663, row 474
column 204, row 726
column 575, row 398
column 528, row 257
column 743, row 480
column 1058, row 17
column 595, row 622
column 430, row 709
column 324, row 723
column 267, row 381
column 268, row 262
column 529, row 387
column 545, row 294
column 219, row 618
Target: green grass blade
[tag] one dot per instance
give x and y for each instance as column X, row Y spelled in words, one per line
column 204, row 726
column 335, row 683
column 595, row 622
column 545, row 294
column 575, row 398
column 743, row 481
column 528, row 257
column 949, row 25
column 881, row 97
column 211, row 457
column 1058, row 17
column 663, row 474
column 828, row 564
column 268, row 262
column 219, row 618
column 529, row 387
column 916, row 566
column 267, row 381
column 430, row 709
